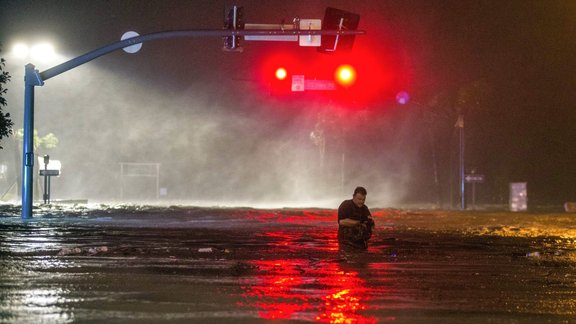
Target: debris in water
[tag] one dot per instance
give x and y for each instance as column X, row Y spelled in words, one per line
column 69, row 251
column 77, row 250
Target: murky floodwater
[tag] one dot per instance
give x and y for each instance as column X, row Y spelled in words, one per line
column 147, row 264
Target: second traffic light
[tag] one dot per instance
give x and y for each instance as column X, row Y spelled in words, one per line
column 345, row 75
column 281, row 73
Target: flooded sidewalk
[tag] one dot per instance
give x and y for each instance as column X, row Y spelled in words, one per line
column 234, row 265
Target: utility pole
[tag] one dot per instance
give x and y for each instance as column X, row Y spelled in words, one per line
column 460, row 125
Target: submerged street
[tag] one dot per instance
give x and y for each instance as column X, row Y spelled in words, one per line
column 187, row 264
column 420, row 103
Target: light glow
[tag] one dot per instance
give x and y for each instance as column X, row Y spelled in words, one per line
column 281, row 73
column 402, row 97
column 345, row 75
column 20, row 50
column 42, row 52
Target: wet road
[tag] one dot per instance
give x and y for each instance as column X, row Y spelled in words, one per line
column 149, row 264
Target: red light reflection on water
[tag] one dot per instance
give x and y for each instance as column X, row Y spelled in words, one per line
column 322, row 287
column 294, row 217
column 304, row 290
column 276, row 290
column 345, row 300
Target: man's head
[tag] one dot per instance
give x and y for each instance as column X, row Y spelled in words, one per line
column 359, row 196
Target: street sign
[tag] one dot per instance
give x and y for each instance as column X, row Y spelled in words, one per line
column 303, row 24
column 310, row 24
column 518, row 196
column 321, row 85
column 474, row 178
column 298, row 83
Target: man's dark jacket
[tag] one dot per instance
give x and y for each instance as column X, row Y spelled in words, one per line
column 348, row 209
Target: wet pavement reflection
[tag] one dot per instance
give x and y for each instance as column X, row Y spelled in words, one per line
column 184, row 264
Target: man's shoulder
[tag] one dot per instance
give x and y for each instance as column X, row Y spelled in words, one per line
column 366, row 210
column 346, row 202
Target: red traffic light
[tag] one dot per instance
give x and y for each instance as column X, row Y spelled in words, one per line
column 281, row 73
column 345, row 75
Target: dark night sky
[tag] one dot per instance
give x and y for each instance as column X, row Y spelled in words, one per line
column 522, row 53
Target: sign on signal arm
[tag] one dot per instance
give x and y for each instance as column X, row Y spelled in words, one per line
column 303, row 40
column 310, row 24
column 300, row 83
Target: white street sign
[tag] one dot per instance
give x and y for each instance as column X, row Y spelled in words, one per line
column 298, row 83
column 310, row 24
column 324, row 85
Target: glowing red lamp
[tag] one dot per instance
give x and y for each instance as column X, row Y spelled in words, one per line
column 345, row 75
column 281, row 73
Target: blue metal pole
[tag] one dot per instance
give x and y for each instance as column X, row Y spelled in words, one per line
column 462, row 168
column 31, row 79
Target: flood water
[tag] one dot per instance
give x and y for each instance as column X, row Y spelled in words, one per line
column 241, row 265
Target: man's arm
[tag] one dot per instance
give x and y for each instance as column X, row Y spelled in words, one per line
column 348, row 222
column 344, row 215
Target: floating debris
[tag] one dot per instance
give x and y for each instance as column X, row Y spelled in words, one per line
column 87, row 250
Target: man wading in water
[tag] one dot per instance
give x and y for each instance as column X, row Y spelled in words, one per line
column 355, row 221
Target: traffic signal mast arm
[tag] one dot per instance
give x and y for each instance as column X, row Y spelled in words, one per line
column 66, row 66
column 262, row 32
column 35, row 78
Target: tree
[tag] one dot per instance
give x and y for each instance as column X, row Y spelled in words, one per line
column 5, row 121
column 48, row 141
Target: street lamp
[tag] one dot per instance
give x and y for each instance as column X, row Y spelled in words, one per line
column 43, row 52
column 22, row 51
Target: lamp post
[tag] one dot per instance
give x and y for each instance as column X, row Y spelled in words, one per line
column 43, row 52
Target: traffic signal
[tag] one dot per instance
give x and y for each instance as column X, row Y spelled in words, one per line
column 345, row 75
column 234, row 21
column 336, row 19
column 280, row 80
column 281, row 73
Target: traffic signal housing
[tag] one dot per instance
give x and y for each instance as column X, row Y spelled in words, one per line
column 234, row 21
column 336, row 19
